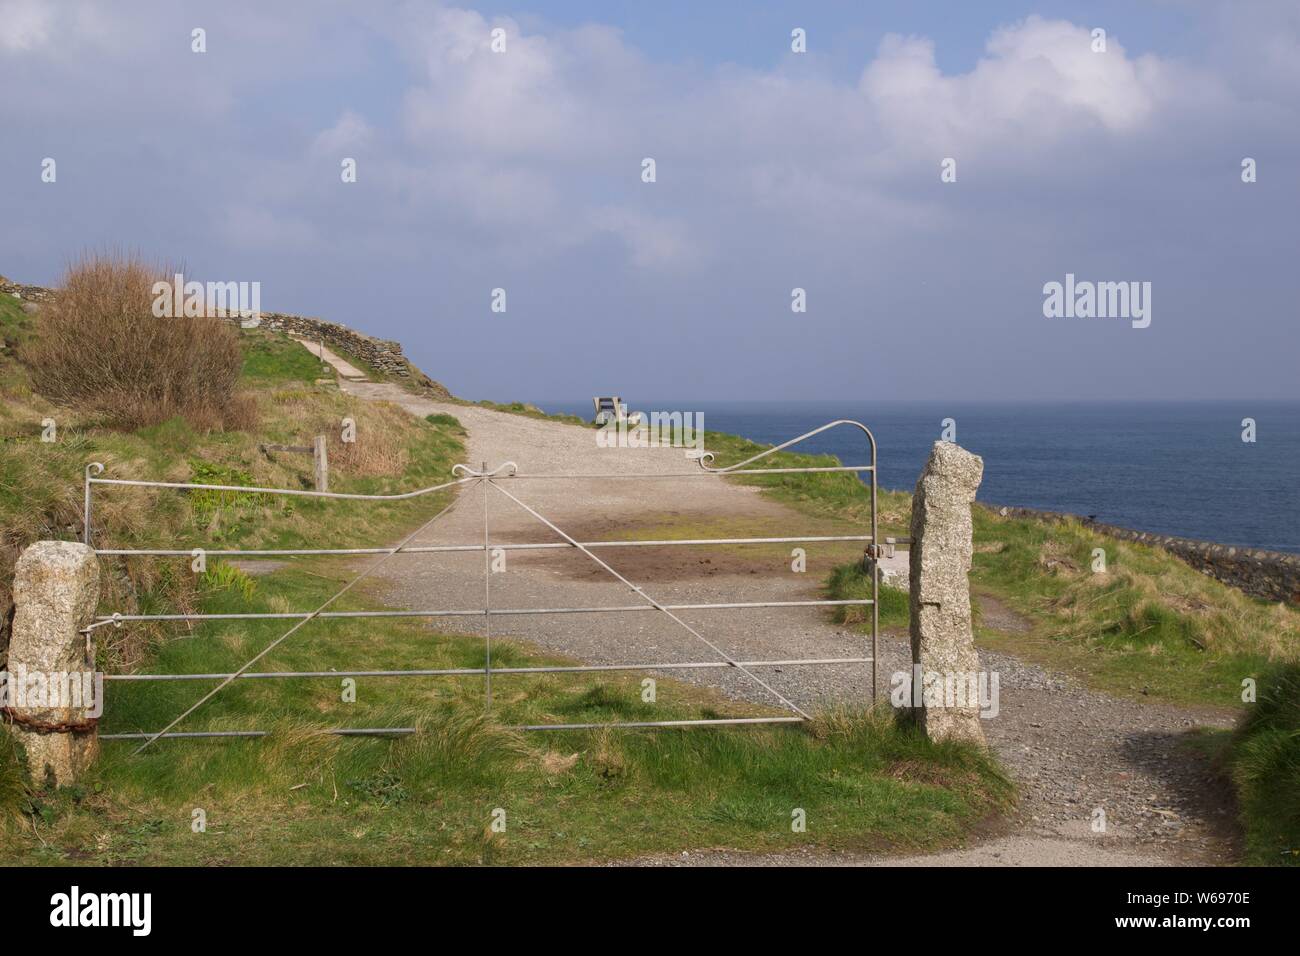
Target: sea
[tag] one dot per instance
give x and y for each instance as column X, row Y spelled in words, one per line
column 1177, row 468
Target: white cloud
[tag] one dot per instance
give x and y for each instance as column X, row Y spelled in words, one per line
column 652, row 242
column 351, row 132
column 1040, row 81
column 24, row 24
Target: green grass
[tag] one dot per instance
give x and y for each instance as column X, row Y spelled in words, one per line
column 839, row 495
column 526, row 410
column 1262, row 759
column 272, row 358
column 13, row 320
column 849, row 582
column 41, row 483
column 300, row 797
column 1149, row 625
column 447, row 421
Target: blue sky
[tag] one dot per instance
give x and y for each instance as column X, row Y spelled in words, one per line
column 846, row 32
column 522, row 170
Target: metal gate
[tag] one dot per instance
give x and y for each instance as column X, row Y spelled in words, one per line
column 500, row 480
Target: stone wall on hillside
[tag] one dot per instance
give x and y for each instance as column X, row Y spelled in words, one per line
column 1272, row 575
column 380, row 354
column 28, row 293
column 383, row 355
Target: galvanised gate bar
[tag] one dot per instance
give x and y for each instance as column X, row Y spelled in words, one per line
column 499, row 480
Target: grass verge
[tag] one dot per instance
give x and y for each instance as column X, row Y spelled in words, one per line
column 1262, row 760
column 524, row 409
column 299, row 796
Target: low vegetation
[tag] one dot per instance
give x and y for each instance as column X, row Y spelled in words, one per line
column 524, row 409
column 41, row 480
column 101, row 349
column 1262, row 759
column 304, row 796
column 850, row 582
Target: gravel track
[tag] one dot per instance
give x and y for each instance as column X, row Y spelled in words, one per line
column 1071, row 750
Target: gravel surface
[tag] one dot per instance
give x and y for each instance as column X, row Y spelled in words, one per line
column 1072, row 751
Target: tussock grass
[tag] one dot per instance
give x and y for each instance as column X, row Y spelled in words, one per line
column 1263, row 762
column 850, row 582
column 13, row 783
column 1149, row 623
column 459, row 741
column 451, row 421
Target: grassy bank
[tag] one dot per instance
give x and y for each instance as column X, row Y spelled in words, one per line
column 41, row 481
column 1262, row 759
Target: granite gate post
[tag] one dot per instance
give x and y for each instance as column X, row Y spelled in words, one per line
column 52, row 697
column 943, row 642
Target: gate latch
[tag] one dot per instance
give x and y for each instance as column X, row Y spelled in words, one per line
column 877, row 551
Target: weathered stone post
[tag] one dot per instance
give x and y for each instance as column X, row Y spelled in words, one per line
column 51, row 696
column 943, row 644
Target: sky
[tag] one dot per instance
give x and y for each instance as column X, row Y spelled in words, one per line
column 522, row 169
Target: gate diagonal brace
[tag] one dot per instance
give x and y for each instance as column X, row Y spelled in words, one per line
column 365, row 572
column 790, row 705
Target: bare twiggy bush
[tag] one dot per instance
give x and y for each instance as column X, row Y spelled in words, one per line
column 100, row 349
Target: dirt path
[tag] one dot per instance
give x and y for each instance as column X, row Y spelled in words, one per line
column 346, row 369
column 1072, row 751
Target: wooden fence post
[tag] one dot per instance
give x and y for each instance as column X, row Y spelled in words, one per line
column 322, row 464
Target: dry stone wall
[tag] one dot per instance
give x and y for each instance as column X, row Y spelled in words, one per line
column 383, row 355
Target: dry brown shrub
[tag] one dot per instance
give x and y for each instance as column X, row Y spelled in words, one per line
column 99, row 348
